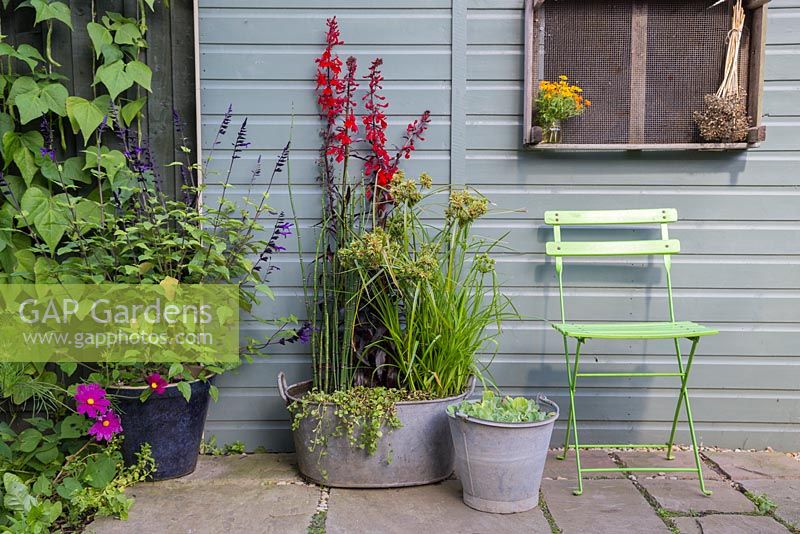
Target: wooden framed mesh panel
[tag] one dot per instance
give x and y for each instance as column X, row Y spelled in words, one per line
column 646, row 65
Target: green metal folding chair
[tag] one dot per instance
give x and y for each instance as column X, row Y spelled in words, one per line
column 582, row 332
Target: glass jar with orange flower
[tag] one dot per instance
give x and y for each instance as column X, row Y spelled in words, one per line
column 558, row 101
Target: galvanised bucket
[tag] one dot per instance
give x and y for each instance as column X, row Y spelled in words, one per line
column 419, row 452
column 500, row 465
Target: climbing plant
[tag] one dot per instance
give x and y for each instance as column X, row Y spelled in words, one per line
column 42, row 179
column 62, row 158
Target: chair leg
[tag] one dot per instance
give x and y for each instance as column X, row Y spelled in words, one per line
column 569, row 416
column 678, row 406
column 684, row 398
column 572, row 417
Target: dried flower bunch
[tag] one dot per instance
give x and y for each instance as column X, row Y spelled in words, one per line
column 724, row 118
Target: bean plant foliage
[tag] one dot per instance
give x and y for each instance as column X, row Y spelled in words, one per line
column 82, row 201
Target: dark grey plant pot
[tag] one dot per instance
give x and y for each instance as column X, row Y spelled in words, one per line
column 420, row 452
column 500, row 465
column 172, row 427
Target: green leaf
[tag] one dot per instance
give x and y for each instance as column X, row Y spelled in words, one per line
column 264, row 289
column 30, row 106
column 174, row 370
column 68, row 368
column 17, row 497
column 48, row 454
column 100, row 37
column 33, row 141
column 112, row 161
column 5, row 451
column 55, row 96
column 25, row 261
column 53, row 10
column 34, row 201
column 69, row 487
column 26, row 163
column 17, row 186
column 111, row 53
column 73, row 426
column 6, row 125
column 84, row 116
column 20, row 149
column 29, row 439
column 47, row 216
column 87, row 213
column 29, row 55
column 185, row 389
column 115, row 78
column 127, row 33
column 51, row 225
column 100, row 471
column 21, row 86
column 214, row 392
column 131, row 110
column 140, row 73
column 73, row 171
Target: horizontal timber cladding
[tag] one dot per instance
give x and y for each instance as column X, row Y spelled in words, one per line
column 739, row 214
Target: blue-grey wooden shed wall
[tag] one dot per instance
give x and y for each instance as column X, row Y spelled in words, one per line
column 740, row 212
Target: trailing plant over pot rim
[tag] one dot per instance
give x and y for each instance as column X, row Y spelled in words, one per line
column 414, row 447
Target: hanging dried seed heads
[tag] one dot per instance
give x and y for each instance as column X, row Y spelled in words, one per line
column 724, row 120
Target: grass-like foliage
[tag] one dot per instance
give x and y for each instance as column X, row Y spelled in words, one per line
column 432, row 286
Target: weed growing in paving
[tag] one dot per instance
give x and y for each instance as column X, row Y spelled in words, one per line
column 764, row 504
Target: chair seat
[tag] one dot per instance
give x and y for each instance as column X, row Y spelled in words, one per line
column 651, row 330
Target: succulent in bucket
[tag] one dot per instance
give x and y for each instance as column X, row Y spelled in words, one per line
column 501, row 409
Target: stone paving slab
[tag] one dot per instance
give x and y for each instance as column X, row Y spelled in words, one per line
column 685, row 496
column 606, row 506
column 252, row 493
column 213, row 509
column 566, row 470
column 241, row 469
column 756, row 465
column 729, row 524
column 683, row 459
column 431, row 509
column 784, row 493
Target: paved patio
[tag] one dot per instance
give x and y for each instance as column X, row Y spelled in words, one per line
column 263, row 493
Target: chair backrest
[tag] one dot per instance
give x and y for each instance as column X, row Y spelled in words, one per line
column 665, row 246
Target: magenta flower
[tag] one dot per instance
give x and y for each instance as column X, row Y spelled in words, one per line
column 106, row 426
column 91, row 400
column 157, row 383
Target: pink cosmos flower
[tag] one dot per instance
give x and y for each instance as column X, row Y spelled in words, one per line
column 106, row 426
column 157, row 383
column 91, row 400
